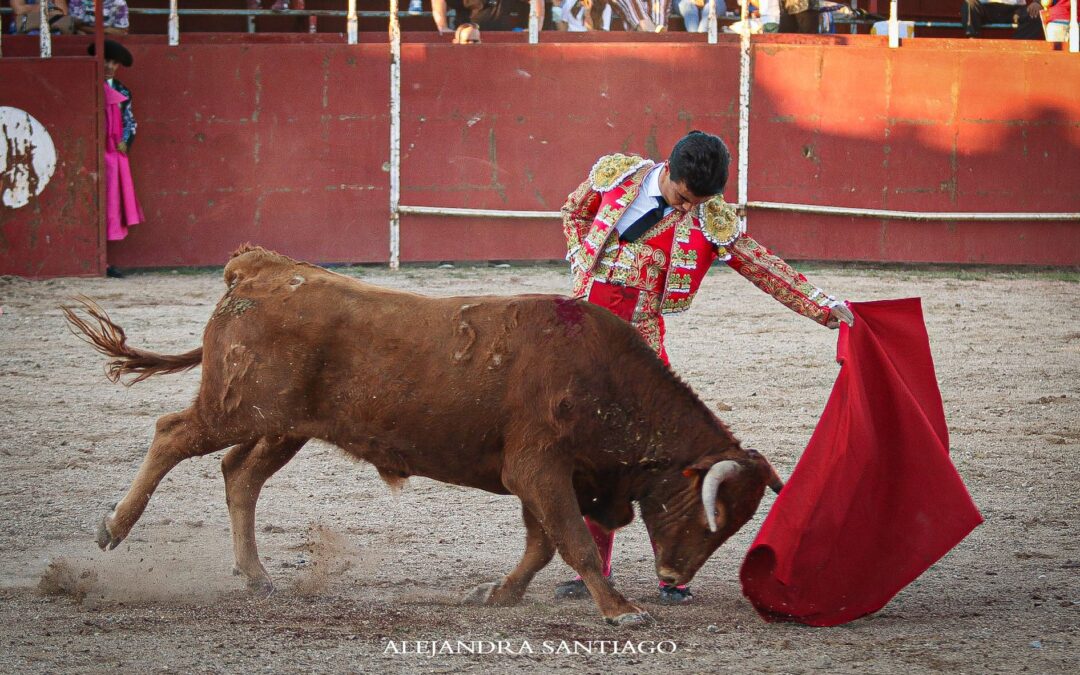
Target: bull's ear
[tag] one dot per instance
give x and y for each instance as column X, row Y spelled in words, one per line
column 699, row 467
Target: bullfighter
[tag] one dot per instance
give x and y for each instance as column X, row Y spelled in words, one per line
column 640, row 237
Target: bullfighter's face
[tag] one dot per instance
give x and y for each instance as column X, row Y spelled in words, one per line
column 680, row 197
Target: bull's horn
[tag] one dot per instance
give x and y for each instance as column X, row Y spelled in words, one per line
column 717, row 474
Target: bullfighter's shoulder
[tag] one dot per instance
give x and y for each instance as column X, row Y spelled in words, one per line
column 610, row 170
column 719, row 221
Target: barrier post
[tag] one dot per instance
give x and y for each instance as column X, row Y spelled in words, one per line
column 894, row 27
column 44, row 35
column 534, row 23
column 1074, row 30
column 713, row 23
column 350, row 20
column 395, row 135
column 174, row 23
column 744, row 109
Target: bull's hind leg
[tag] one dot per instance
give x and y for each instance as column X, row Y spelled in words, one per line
column 246, row 468
column 178, row 437
column 539, row 550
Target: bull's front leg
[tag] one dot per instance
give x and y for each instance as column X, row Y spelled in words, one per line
column 555, row 506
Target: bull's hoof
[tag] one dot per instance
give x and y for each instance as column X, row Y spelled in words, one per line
column 481, row 594
column 630, row 620
column 260, row 586
column 105, row 540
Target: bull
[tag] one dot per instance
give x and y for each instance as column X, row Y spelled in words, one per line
column 511, row 395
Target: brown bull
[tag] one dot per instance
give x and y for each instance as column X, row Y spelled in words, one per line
column 512, row 395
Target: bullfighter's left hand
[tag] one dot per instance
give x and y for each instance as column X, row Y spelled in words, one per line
column 840, row 312
column 122, row 147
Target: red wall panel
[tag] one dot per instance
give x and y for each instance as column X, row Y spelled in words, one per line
column 921, row 128
column 278, row 144
column 526, row 133
column 58, row 233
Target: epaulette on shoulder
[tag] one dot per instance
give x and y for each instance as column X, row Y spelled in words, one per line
column 719, row 221
column 610, row 170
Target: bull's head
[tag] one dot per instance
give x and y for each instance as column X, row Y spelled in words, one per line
column 690, row 514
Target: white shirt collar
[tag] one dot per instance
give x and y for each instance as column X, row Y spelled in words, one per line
column 651, row 185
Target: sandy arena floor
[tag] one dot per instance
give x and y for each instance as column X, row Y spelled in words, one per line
column 359, row 569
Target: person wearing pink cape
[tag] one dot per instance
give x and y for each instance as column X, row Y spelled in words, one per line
column 122, row 208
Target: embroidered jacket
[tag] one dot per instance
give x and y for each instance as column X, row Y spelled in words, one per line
column 669, row 262
column 126, row 114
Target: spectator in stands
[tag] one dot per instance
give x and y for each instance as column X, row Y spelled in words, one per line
column 695, row 14
column 27, row 17
column 578, row 16
column 115, row 14
column 798, row 16
column 762, row 16
column 122, row 209
column 467, row 34
column 644, row 15
column 1025, row 16
column 488, row 14
column 635, row 15
column 1056, row 14
column 278, row 6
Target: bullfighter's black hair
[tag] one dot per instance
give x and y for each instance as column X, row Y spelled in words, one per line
column 700, row 161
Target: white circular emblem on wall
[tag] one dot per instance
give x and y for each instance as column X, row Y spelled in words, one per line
column 27, row 157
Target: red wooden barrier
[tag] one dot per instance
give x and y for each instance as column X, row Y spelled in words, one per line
column 59, row 232
column 279, row 144
column 937, row 125
column 284, row 141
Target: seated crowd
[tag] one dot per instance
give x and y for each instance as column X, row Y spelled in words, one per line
column 69, row 16
column 1032, row 20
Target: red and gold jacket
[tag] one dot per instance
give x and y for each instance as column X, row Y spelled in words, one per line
column 661, row 272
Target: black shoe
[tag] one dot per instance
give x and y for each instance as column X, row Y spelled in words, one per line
column 673, row 595
column 572, row 590
column 114, row 273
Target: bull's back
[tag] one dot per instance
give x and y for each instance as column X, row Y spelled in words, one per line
column 443, row 378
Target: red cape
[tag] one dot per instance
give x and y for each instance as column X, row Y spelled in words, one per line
column 874, row 500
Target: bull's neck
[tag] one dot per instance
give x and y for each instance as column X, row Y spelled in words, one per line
column 668, row 427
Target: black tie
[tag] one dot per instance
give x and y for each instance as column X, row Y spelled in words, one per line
column 645, row 222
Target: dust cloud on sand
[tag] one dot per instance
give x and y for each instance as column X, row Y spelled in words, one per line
column 357, row 568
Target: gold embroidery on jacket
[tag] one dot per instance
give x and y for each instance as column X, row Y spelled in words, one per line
column 677, row 305
column 611, row 170
column 719, row 221
column 684, row 259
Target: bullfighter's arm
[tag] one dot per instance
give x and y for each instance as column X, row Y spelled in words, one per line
column 577, row 214
column 777, row 278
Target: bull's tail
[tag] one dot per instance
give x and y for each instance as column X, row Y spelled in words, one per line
column 110, row 340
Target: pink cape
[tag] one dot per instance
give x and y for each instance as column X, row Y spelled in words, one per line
column 121, row 207
column 874, row 500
